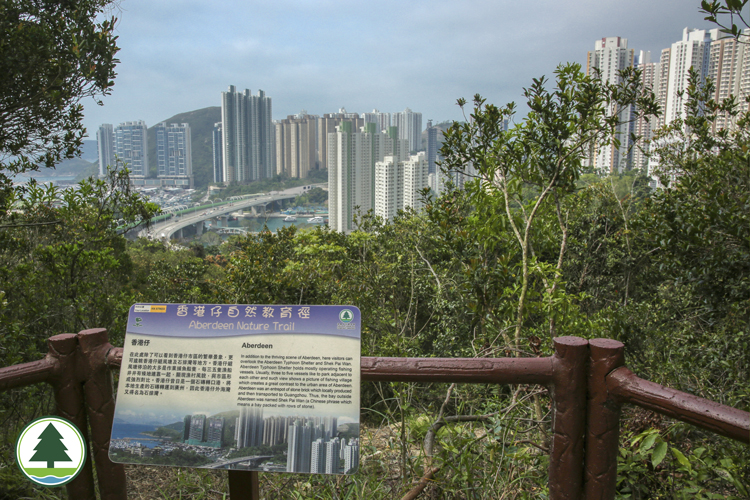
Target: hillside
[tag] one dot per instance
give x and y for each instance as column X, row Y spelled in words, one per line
column 201, row 128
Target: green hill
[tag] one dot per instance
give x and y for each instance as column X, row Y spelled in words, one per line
column 201, row 123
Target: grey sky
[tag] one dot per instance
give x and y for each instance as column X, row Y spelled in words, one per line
column 321, row 55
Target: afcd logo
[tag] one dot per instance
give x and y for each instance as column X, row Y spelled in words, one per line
column 346, row 316
column 50, row 451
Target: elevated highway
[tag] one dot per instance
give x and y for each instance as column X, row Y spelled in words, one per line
column 167, row 229
column 233, row 462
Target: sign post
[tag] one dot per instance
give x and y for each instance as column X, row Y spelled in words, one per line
column 242, row 387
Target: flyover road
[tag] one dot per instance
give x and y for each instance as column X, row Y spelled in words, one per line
column 228, row 464
column 165, row 230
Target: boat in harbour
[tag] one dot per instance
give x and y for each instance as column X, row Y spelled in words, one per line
column 315, row 220
column 290, row 218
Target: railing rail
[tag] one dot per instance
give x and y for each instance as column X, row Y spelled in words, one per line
column 587, row 379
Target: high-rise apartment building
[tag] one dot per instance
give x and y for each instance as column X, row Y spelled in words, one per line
column 248, row 152
column 249, row 430
column 381, row 120
column 432, row 135
column 105, row 145
column 131, row 147
column 333, row 454
column 214, row 431
column 217, row 156
column 174, row 157
column 416, row 171
column 409, row 126
column 398, row 184
column 352, row 156
column 729, row 69
column 690, row 52
column 197, row 429
column 351, row 456
column 389, row 194
column 644, row 126
column 299, row 446
column 609, row 57
column 296, row 145
column 275, row 430
column 663, row 87
column 327, row 125
column 318, row 457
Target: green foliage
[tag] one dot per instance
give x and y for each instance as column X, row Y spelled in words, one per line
column 524, row 174
column 650, row 467
column 63, row 266
column 315, row 197
column 718, row 11
column 54, row 55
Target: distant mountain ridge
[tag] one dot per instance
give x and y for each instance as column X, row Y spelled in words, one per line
column 201, row 123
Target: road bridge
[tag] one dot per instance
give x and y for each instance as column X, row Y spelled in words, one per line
column 167, row 229
column 227, row 464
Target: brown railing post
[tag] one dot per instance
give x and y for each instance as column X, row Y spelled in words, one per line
column 244, row 485
column 603, row 422
column 100, row 407
column 568, row 418
column 69, row 404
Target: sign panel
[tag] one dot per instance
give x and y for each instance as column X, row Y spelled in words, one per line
column 251, row 387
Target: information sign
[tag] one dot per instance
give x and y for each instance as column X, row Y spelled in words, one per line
column 252, row 387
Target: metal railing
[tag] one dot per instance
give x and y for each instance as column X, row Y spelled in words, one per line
column 587, row 379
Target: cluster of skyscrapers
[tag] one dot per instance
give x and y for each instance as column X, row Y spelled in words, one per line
column 127, row 144
column 312, row 443
column 369, row 169
column 313, row 448
column 248, row 145
column 724, row 60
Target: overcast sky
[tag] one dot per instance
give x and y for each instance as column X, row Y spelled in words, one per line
column 321, row 55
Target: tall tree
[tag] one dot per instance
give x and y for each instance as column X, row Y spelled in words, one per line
column 53, row 54
column 528, row 169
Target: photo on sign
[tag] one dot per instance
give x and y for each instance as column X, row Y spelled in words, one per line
column 205, row 394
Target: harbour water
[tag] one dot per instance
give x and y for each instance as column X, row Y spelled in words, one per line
column 133, row 431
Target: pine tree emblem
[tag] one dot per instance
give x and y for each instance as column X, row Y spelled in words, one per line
column 345, row 316
column 50, row 448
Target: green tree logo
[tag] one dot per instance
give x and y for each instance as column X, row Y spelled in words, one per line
column 50, row 451
column 50, row 448
column 346, row 316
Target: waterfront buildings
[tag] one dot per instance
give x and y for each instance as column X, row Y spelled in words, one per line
column 248, row 153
